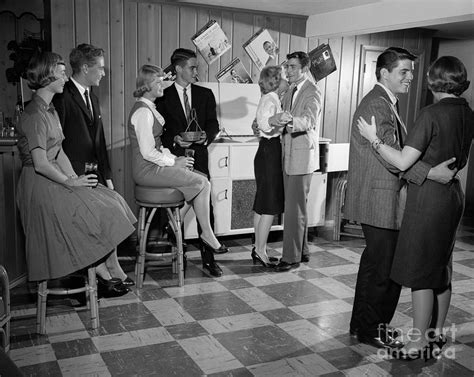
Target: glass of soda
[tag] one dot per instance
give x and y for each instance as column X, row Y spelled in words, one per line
column 189, row 153
column 91, row 168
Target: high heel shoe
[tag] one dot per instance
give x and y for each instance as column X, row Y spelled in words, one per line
column 221, row 250
column 426, row 353
column 271, row 259
column 439, row 341
column 257, row 258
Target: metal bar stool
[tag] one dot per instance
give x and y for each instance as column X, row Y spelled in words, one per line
column 149, row 200
column 5, row 315
column 90, row 287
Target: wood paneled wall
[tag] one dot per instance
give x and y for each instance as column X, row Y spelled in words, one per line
column 134, row 32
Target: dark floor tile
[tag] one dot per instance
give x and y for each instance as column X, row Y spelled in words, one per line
column 166, row 359
column 186, row 330
column 297, row 293
column 349, row 280
column 261, row 345
column 442, row 367
column 23, row 333
column 310, row 274
column 150, row 292
column 213, row 305
column 458, row 276
column 281, row 315
column 325, row 259
column 241, row 372
column 334, row 323
column 343, row 358
column 467, row 262
column 74, row 348
column 122, row 318
column 49, row 369
column 236, row 284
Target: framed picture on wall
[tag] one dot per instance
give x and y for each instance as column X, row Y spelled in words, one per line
column 211, row 41
column 235, row 73
column 262, row 49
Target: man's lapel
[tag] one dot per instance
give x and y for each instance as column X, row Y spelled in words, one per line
column 174, row 99
column 76, row 96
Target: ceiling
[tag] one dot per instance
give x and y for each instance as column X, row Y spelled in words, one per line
column 456, row 30
column 293, row 7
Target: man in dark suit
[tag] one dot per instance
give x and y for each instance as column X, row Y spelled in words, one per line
column 177, row 105
column 375, row 198
column 79, row 112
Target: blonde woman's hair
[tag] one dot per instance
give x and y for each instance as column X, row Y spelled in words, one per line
column 146, row 75
column 270, row 78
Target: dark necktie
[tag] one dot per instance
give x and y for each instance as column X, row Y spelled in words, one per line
column 88, row 104
column 399, row 126
column 187, row 107
column 292, row 96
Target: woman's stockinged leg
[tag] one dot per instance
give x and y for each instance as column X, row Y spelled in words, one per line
column 442, row 302
column 114, row 267
column 422, row 301
column 201, row 208
column 261, row 236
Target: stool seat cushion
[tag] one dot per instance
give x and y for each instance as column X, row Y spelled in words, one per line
column 154, row 195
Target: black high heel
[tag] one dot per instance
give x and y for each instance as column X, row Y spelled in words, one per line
column 256, row 258
column 221, row 250
column 440, row 341
column 426, row 353
column 271, row 259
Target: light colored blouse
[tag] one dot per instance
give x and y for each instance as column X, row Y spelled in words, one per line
column 142, row 121
column 268, row 106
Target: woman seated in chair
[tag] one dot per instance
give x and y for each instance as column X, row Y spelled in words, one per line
column 155, row 166
column 69, row 223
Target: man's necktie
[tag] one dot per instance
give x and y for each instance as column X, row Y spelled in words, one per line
column 292, row 96
column 187, row 107
column 399, row 126
column 88, row 104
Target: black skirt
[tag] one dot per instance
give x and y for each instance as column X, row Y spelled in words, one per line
column 269, row 198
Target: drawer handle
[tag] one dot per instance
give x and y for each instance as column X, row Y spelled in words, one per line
column 226, row 164
column 225, row 193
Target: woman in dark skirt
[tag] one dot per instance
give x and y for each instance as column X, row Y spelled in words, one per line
column 269, row 198
column 433, row 211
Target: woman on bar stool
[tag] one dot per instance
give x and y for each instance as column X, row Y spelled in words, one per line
column 155, row 166
column 69, row 225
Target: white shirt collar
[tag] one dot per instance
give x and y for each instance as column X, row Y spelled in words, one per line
column 392, row 96
column 79, row 87
column 181, row 88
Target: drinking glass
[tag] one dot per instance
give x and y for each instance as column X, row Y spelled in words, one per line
column 91, row 168
column 189, row 153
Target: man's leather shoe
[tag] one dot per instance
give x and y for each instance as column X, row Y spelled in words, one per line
column 285, row 266
column 305, row 258
column 213, row 268
column 387, row 342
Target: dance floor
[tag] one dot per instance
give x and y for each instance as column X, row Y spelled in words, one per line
column 249, row 322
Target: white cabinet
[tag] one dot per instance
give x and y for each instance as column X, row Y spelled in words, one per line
column 233, row 191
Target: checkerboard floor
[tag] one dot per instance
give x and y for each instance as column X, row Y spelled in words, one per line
column 249, row 322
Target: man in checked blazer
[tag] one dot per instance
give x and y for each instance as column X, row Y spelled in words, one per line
column 301, row 118
column 375, row 198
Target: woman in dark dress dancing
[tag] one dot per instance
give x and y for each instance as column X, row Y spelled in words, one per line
column 433, row 211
